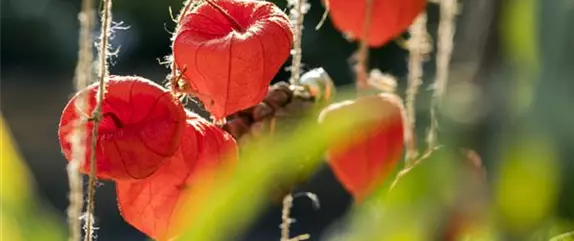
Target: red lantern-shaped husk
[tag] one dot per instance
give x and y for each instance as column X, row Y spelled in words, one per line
column 389, row 18
column 141, row 127
column 153, row 204
column 230, row 50
column 365, row 159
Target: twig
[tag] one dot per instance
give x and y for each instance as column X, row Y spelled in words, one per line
column 410, row 167
column 97, row 113
column 363, row 52
column 418, row 48
column 298, row 10
column 448, row 11
column 188, row 6
column 83, row 74
column 325, row 15
column 174, row 78
column 287, row 220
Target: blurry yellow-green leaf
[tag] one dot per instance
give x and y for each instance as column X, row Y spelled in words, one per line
column 431, row 181
column 13, row 174
column 20, row 217
column 8, row 229
column 561, row 228
column 528, row 183
column 410, row 209
column 482, row 233
column 234, row 200
column 519, row 34
column 406, row 232
column 382, row 223
column 519, row 30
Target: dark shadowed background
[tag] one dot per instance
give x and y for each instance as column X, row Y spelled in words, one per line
column 38, row 56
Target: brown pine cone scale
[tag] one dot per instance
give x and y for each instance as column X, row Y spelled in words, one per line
column 282, row 101
column 283, row 106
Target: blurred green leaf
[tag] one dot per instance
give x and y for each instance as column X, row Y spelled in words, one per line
column 239, row 194
column 21, row 218
column 411, row 210
column 528, row 183
column 519, row 30
column 15, row 187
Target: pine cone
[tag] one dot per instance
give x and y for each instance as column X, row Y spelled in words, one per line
column 283, row 102
column 283, row 107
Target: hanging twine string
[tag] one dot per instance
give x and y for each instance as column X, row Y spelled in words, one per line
column 83, row 75
column 97, row 114
column 298, row 9
column 448, row 11
column 419, row 47
column 286, row 220
column 362, row 56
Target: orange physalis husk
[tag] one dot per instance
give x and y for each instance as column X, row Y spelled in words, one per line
column 389, row 18
column 141, row 127
column 152, row 205
column 365, row 158
column 230, row 51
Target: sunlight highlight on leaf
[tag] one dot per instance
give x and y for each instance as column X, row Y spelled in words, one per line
column 564, row 237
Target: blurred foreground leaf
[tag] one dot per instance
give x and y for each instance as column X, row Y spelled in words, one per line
column 411, row 210
column 564, row 237
column 225, row 207
column 20, row 218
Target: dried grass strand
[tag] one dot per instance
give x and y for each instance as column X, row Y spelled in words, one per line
column 97, row 114
column 174, row 77
column 297, row 15
column 448, row 11
column 445, row 36
column 362, row 56
column 286, row 219
column 83, row 74
column 418, row 49
column 325, row 15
